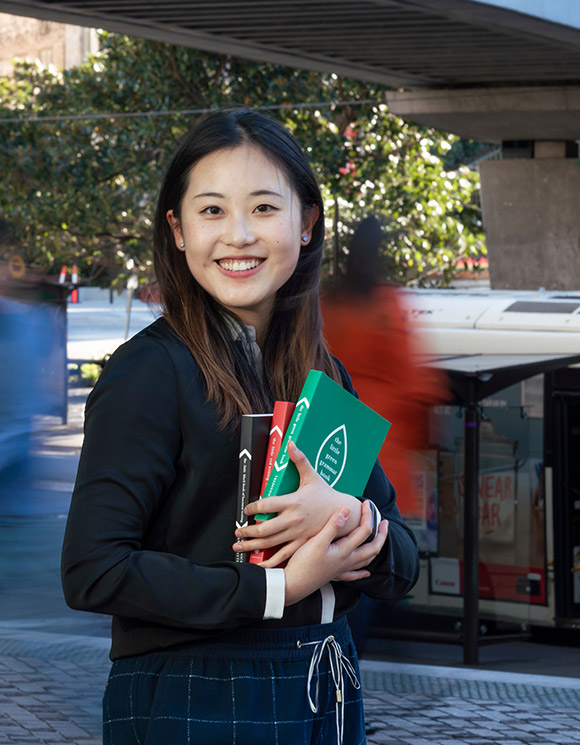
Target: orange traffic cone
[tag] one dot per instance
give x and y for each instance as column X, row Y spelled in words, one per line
column 74, row 296
column 62, row 275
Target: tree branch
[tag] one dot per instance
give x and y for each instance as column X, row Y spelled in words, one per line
column 194, row 93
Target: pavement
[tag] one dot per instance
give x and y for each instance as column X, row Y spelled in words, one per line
column 52, row 677
column 51, row 687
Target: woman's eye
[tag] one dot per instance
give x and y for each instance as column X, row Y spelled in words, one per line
column 264, row 208
column 212, row 210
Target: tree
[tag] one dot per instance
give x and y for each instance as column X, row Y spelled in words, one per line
column 82, row 188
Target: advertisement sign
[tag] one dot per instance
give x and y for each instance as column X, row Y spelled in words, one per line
column 423, row 519
column 445, row 576
column 497, row 489
column 497, row 485
column 496, row 581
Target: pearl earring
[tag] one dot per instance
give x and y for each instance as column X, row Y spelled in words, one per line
column 182, row 245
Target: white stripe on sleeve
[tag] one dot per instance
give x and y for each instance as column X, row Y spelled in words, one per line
column 275, row 593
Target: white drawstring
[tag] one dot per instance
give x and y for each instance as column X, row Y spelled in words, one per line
column 338, row 660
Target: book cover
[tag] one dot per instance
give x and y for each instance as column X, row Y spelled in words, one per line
column 340, row 436
column 283, row 411
column 254, row 436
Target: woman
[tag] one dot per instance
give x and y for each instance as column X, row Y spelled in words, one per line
column 206, row 649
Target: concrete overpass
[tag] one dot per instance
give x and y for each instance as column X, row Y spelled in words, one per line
column 505, row 71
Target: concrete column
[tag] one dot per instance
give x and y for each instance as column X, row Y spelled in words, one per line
column 531, row 215
column 531, row 198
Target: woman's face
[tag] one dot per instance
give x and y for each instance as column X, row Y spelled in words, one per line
column 242, row 226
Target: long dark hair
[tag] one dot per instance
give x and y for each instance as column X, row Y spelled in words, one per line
column 294, row 342
column 362, row 263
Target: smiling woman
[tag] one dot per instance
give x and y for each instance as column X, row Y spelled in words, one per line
column 242, row 237
column 233, row 148
column 205, row 648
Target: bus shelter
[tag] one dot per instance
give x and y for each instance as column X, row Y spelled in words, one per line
column 472, row 379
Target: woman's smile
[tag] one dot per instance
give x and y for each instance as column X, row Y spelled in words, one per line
column 240, row 267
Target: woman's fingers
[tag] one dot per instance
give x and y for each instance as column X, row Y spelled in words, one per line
column 252, row 544
column 305, row 470
column 366, row 552
column 360, row 554
column 352, row 576
column 362, row 532
column 280, row 556
column 266, row 505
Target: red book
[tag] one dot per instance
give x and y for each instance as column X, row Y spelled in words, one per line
column 283, row 411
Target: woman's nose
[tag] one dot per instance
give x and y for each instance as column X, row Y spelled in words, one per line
column 239, row 232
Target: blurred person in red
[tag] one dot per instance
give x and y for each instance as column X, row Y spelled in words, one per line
column 367, row 328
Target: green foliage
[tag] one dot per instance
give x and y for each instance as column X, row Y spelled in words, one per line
column 82, row 190
column 83, row 375
column 465, row 151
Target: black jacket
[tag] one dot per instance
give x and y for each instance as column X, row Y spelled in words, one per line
column 150, row 528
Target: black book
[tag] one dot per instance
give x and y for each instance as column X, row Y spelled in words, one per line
column 254, row 437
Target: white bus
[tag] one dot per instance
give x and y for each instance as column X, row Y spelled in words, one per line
column 529, row 458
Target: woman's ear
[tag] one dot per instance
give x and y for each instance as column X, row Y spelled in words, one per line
column 309, row 219
column 175, row 226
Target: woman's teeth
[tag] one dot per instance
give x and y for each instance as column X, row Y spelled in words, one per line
column 233, row 265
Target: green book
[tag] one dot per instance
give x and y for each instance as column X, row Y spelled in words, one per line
column 340, row 436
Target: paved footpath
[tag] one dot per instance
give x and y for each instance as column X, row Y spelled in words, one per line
column 51, row 685
column 418, row 704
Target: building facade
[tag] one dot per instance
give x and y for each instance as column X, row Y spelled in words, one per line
column 48, row 42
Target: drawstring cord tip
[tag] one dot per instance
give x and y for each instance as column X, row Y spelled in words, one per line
column 339, row 665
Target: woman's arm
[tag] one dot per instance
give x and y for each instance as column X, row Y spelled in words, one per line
column 124, row 490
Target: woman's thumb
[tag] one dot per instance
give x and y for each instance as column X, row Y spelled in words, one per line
column 305, row 470
column 335, row 523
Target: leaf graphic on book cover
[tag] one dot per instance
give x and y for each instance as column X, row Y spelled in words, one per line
column 331, row 458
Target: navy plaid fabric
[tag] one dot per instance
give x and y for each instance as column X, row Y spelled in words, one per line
column 247, row 688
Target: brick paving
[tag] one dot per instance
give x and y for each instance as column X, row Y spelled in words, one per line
column 409, row 704
column 50, row 701
column 417, row 719
column 51, row 694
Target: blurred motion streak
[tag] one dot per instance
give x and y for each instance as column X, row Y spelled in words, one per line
column 32, row 375
column 366, row 327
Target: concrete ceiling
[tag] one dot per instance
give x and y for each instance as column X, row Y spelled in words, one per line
column 406, row 44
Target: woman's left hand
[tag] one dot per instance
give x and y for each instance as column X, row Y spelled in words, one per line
column 299, row 515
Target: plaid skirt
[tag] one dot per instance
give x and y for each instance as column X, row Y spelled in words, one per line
column 249, row 687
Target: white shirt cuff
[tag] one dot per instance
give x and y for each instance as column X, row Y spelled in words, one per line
column 275, row 593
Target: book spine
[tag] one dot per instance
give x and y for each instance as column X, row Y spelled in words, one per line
column 283, row 411
column 253, row 443
column 281, row 417
column 284, row 478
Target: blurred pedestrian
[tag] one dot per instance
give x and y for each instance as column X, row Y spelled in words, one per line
column 24, row 337
column 367, row 328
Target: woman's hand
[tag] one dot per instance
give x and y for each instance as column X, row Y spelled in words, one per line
column 326, row 556
column 299, row 515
